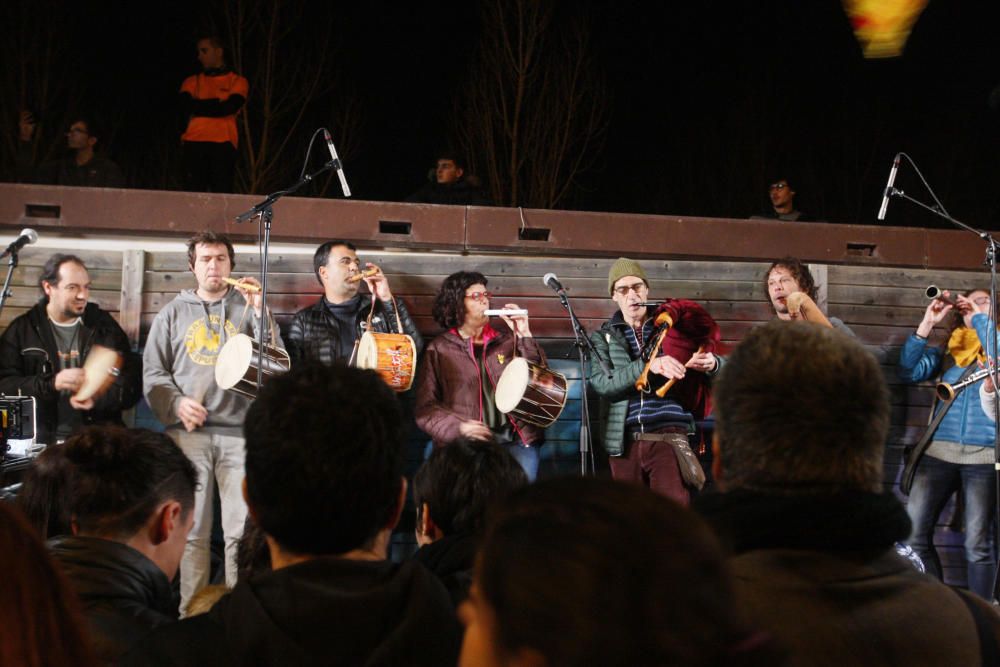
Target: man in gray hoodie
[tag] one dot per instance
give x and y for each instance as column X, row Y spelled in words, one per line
column 205, row 420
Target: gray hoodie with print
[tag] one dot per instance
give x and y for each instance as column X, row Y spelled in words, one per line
column 180, row 354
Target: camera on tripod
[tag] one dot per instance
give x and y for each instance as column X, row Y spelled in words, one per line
column 17, row 425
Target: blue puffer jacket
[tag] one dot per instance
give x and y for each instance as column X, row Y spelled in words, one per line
column 965, row 423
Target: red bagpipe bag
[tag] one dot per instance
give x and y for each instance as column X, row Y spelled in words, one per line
column 692, row 328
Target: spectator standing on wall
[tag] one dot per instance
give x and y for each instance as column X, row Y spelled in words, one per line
column 211, row 101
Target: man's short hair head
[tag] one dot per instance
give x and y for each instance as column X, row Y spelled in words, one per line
column 459, row 482
column 449, row 303
column 93, row 127
column 211, row 53
column 622, row 267
column 120, row 476
column 209, row 237
column 322, row 255
column 799, row 271
column 454, row 156
column 591, row 555
column 780, row 192
column 50, row 272
column 212, row 39
column 324, row 458
column 801, row 408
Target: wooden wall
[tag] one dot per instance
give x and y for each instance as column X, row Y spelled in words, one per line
column 882, row 304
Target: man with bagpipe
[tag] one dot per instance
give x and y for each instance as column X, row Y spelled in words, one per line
column 661, row 358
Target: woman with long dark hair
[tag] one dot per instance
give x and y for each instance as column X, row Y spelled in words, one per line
column 459, row 373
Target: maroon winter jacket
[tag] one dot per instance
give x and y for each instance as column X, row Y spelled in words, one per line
column 448, row 382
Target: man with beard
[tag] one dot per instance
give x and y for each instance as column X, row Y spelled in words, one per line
column 42, row 354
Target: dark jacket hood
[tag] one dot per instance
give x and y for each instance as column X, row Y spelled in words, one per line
column 324, row 611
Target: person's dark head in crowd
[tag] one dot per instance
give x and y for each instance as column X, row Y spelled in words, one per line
column 132, row 506
column 830, row 429
column 451, row 183
column 352, row 484
column 39, row 613
column 324, row 482
column 589, row 571
column 45, row 493
column 452, row 491
column 801, row 421
column 457, row 483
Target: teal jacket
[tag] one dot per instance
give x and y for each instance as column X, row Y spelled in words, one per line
column 616, row 390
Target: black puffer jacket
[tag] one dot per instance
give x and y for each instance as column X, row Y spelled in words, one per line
column 124, row 594
column 315, row 333
column 29, row 356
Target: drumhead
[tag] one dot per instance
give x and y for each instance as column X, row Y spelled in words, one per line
column 233, row 361
column 96, row 370
column 367, row 351
column 513, row 381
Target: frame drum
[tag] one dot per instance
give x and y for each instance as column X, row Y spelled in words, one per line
column 531, row 392
column 100, row 370
column 392, row 356
column 236, row 366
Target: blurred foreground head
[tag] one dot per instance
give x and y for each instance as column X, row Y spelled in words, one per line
column 586, row 571
column 800, row 408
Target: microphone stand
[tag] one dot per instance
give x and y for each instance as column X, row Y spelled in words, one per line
column 265, row 212
column 991, row 343
column 11, row 265
column 585, row 348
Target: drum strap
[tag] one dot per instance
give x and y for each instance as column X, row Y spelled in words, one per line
column 239, row 327
column 395, row 309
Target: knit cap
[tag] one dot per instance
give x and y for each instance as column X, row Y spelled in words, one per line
column 622, row 267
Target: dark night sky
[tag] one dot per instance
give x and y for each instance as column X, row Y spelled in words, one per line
column 710, row 100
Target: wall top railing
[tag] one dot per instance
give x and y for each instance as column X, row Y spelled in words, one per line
column 483, row 229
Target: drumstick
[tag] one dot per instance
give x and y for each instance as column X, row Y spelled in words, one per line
column 242, row 285
column 367, row 273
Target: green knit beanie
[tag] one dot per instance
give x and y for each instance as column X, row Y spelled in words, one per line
column 622, row 267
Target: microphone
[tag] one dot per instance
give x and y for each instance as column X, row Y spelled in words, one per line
column 888, row 188
column 336, row 163
column 553, row 282
column 27, row 236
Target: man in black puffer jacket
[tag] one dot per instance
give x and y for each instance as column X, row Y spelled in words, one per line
column 132, row 495
column 328, row 330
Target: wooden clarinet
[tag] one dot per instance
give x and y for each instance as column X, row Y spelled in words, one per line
column 662, row 391
column 664, row 321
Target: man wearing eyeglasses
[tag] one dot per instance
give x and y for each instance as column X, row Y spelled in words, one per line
column 643, row 433
column 783, row 202
column 85, row 168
